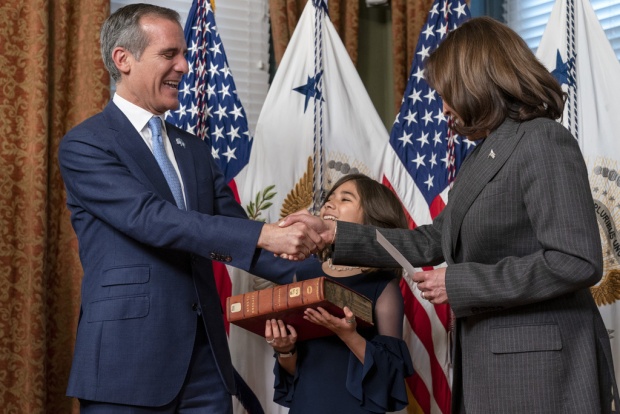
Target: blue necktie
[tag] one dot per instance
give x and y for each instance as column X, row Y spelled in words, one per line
column 164, row 162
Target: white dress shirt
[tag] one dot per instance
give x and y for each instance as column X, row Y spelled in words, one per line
column 139, row 118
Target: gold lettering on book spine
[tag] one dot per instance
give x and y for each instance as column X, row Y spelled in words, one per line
column 294, row 292
column 250, row 304
column 279, row 292
column 312, row 290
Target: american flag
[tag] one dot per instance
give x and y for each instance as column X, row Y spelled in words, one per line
column 208, row 103
column 420, row 132
column 430, row 156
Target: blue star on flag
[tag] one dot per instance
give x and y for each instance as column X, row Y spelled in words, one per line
column 310, row 89
column 562, row 71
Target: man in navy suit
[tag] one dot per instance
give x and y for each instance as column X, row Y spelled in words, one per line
column 151, row 336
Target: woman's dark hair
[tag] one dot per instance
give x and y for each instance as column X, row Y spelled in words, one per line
column 485, row 72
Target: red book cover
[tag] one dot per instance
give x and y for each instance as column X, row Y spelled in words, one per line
column 288, row 302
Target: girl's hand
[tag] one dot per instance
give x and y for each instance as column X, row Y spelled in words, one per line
column 278, row 337
column 340, row 326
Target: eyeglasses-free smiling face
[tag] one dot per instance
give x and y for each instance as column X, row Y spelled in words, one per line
column 344, row 204
column 152, row 82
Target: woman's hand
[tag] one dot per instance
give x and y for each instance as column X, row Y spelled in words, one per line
column 432, row 285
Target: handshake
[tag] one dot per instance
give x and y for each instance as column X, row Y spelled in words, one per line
column 297, row 236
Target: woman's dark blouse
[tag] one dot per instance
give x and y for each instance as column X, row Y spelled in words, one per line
column 329, row 377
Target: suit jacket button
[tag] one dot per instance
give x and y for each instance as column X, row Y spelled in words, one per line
column 194, row 307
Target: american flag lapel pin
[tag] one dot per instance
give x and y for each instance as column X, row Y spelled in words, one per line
column 180, row 142
column 492, row 154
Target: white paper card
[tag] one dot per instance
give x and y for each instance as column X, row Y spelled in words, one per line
column 395, row 253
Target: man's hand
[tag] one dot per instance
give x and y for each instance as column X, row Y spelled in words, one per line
column 294, row 242
column 324, row 228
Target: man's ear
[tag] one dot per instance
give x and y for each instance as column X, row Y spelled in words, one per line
column 122, row 59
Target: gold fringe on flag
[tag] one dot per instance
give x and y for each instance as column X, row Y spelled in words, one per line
column 212, row 5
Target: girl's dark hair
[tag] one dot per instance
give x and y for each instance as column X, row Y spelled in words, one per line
column 380, row 205
column 486, row 73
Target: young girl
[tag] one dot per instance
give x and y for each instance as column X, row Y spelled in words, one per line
column 355, row 370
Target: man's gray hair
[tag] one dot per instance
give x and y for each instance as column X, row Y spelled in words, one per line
column 122, row 29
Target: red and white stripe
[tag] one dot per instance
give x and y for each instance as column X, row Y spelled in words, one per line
column 426, row 327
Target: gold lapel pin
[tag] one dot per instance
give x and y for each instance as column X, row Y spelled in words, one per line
column 492, row 154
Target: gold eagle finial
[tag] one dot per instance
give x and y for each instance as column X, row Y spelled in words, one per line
column 300, row 196
column 608, row 291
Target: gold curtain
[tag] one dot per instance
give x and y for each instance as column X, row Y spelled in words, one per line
column 344, row 14
column 51, row 78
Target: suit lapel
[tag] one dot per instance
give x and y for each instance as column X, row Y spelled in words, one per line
column 134, row 146
column 476, row 174
column 185, row 161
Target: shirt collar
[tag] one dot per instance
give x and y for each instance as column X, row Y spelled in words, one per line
column 139, row 117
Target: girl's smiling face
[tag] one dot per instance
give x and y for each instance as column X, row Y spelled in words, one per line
column 344, row 204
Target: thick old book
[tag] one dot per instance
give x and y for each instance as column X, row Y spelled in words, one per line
column 288, row 302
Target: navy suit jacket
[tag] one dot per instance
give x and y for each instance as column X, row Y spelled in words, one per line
column 147, row 264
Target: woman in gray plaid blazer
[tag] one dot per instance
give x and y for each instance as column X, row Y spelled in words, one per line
column 519, row 236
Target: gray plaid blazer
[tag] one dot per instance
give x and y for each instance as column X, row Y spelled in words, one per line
column 521, row 241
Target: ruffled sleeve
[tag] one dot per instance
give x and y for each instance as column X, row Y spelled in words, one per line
column 379, row 383
column 283, row 385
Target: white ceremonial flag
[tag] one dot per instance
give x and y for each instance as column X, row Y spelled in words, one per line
column 575, row 49
column 317, row 124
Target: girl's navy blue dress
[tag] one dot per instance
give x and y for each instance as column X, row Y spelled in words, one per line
column 330, row 379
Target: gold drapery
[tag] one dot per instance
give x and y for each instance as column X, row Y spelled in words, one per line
column 344, row 14
column 51, row 78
